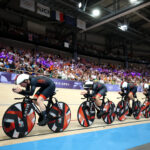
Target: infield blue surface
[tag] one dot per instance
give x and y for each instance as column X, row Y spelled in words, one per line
column 110, row 139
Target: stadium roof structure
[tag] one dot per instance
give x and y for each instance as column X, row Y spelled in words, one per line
column 136, row 13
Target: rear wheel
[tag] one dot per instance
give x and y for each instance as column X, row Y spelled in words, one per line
column 13, row 123
column 86, row 114
column 59, row 117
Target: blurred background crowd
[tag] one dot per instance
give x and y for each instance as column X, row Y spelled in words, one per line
column 65, row 67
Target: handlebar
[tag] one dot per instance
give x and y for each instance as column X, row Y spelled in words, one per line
column 25, row 97
column 19, row 98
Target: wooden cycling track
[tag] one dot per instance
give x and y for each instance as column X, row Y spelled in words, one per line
column 73, row 99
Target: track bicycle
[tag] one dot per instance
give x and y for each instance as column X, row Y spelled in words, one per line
column 144, row 109
column 87, row 109
column 19, row 119
column 122, row 109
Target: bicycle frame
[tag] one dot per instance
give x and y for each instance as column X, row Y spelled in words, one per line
column 89, row 98
column 86, row 111
column 29, row 102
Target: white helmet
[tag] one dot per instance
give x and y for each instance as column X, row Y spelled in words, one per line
column 88, row 84
column 146, row 86
column 124, row 85
column 20, row 78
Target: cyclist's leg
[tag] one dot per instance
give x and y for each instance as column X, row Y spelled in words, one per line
column 36, row 95
column 101, row 93
column 98, row 102
column 131, row 96
column 132, row 93
column 47, row 92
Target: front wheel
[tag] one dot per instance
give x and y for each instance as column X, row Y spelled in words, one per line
column 109, row 112
column 59, row 117
column 136, row 108
column 86, row 114
column 146, row 110
column 13, row 123
column 122, row 110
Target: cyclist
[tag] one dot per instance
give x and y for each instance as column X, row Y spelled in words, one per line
column 128, row 89
column 47, row 88
column 97, row 91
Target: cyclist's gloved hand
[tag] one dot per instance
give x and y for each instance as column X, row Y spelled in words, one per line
column 16, row 90
column 86, row 95
column 122, row 93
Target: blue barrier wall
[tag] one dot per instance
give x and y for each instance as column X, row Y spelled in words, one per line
column 6, row 77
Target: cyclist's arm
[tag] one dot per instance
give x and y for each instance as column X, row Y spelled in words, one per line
column 122, row 90
column 94, row 90
column 29, row 91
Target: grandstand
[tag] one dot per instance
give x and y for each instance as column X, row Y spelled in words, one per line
column 64, row 41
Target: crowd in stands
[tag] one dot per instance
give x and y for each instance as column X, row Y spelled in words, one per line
column 64, row 67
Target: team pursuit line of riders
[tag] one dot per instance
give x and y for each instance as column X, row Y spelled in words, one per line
column 20, row 118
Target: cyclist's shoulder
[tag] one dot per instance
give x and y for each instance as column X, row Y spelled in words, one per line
column 132, row 84
column 33, row 80
column 99, row 84
column 42, row 79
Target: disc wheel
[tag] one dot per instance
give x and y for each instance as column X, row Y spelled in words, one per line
column 109, row 112
column 59, row 117
column 146, row 111
column 86, row 114
column 136, row 109
column 122, row 110
column 13, row 123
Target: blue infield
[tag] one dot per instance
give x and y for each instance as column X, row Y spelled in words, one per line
column 110, row 139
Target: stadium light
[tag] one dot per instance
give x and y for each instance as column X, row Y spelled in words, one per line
column 135, row 1
column 123, row 27
column 79, row 4
column 132, row 1
column 95, row 12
